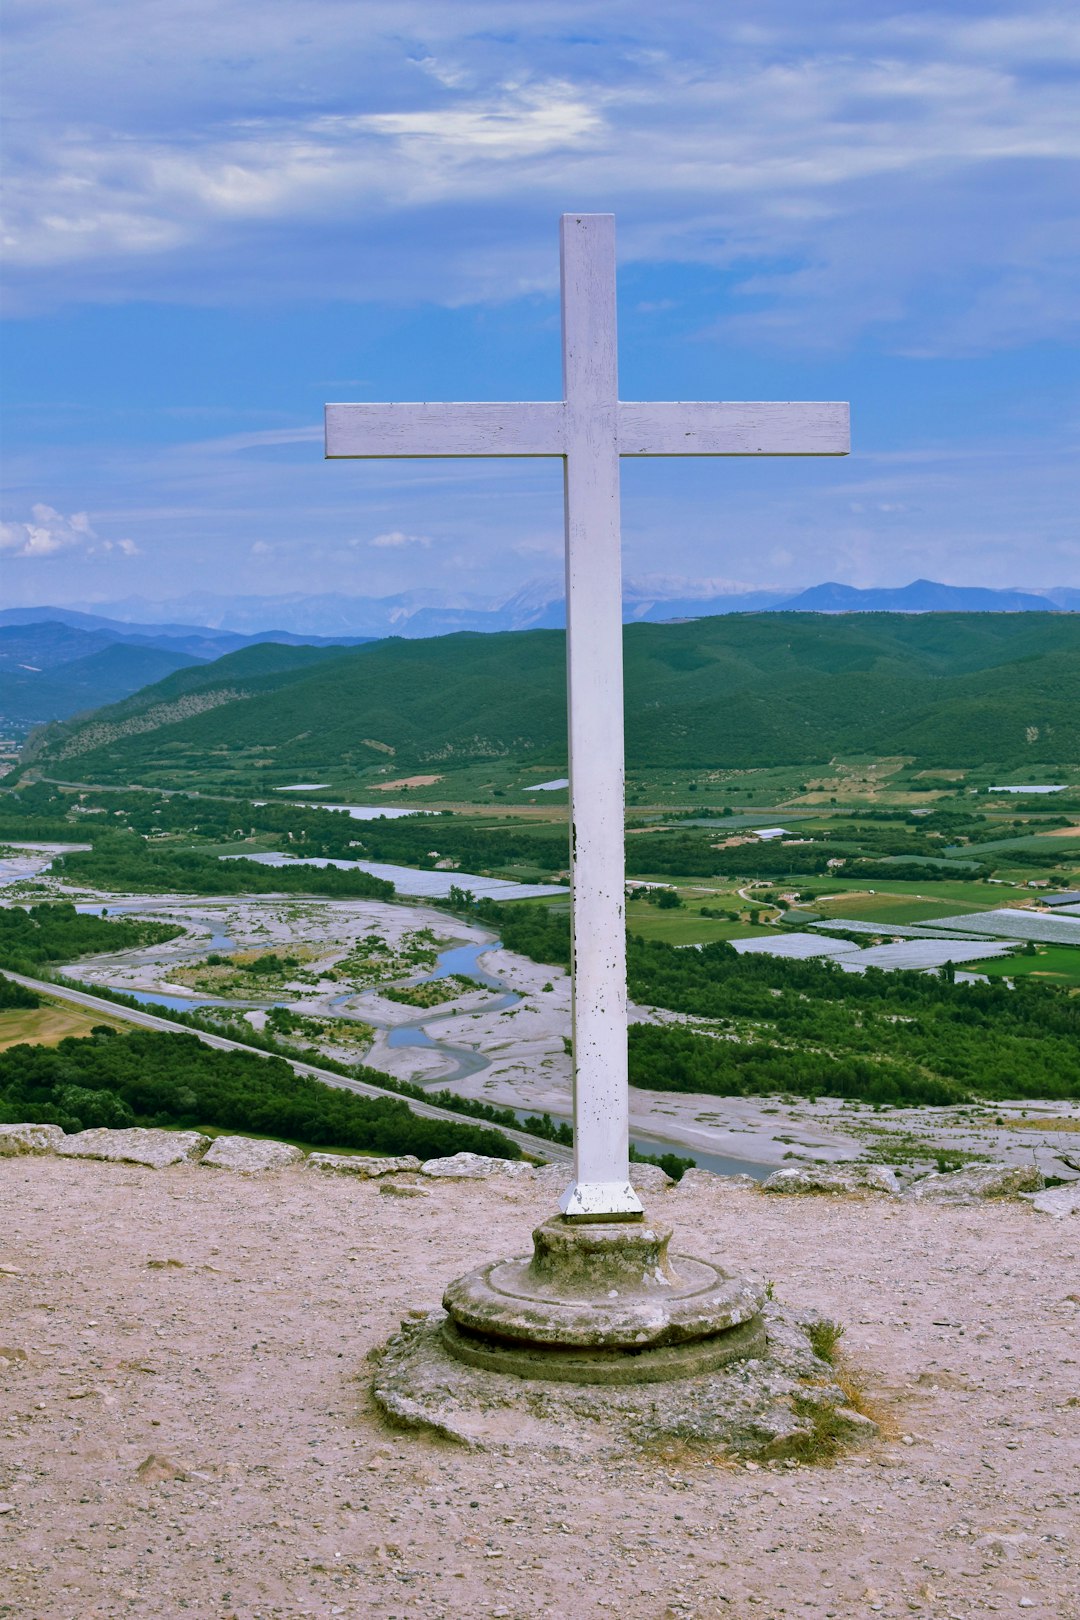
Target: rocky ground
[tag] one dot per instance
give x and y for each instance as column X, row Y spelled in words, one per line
column 185, row 1426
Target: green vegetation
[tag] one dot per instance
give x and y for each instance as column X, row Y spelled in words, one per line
column 148, row 1078
column 947, row 692
column 59, row 933
column 16, row 995
column 810, row 1029
column 128, row 863
column 435, row 991
column 824, row 1338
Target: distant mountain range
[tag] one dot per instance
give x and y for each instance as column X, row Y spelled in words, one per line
column 746, row 690
column 57, row 662
column 537, row 605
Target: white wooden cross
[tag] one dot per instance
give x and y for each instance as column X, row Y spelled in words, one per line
column 590, row 428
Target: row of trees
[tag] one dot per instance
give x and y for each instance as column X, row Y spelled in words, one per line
column 14, row 995
column 899, row 1036
column 125, row 862
column 150, row 1078
column 58, row 933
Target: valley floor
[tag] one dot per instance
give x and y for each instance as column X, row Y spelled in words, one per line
column 220, row 1325
column 509, row 1049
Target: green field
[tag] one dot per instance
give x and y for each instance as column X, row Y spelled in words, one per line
column 1056, row 964
column 49, row 1024
column 686, row 925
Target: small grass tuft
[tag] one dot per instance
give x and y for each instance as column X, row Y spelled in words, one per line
column 824, row 1337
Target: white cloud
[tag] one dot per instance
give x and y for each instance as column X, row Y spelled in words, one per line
column 394, row 540
column 49, row 532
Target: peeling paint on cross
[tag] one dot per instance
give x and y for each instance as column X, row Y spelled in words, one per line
column 590, row 429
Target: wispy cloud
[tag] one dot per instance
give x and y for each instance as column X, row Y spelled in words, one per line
column 843, row 163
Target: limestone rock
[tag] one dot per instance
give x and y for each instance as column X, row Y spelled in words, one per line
column 553, row 1178
column 249, row 1156
column 709, row 1181
column 976, row 1181
column 1057, row 1201
column 402, row 1189
column 856, row 1178
column 16, row 1140
column 155, row 1469
column 349, row 1164
column 649, row 1178
column 136, row 1146
column 473, row 1167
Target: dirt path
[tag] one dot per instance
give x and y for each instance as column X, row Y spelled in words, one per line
column 242, row 1364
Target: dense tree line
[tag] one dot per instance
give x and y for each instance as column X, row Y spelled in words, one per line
column 149, row 1078
column 126, row 862
column 671, row 1057
column 979, row 1039
column 898, row 1035
column 14, row 995
column 58, row 933
column 872, row 842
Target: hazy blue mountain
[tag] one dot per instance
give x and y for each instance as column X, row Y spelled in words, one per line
column 200, row 641
column 330, row 617
column 53, row 668
column 921, row 596
column 104, row 674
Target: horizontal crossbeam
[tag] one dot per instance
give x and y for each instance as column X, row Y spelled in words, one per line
column 734, row 428
column 539, row 428
column 372, row 431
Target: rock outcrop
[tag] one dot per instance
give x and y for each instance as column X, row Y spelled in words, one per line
column 354, row 1164
column 1056, row 1201
column 16, row 1140
column 858, row 1179
column 473, row 1167
column 136, row 1146
column 249, row 1156
column 975, row 1182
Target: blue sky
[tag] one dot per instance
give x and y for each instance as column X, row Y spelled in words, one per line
column 222, row 213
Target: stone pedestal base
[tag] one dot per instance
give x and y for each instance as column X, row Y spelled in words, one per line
column 602, row 1302
column 602, row 1341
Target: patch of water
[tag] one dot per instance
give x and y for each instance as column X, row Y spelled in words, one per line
column 464, row 959
column 718, row 1163
column 357, row 812
column 414, row 880
column 195, row 1003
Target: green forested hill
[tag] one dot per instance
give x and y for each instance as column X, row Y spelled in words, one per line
column 769, row 689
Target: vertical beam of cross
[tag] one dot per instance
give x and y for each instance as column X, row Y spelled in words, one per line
column 591, row 429
column 594, row 681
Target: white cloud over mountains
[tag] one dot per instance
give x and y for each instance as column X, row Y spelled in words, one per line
column 50, row 532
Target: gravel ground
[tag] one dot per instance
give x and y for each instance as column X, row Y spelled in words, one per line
column 221, row 1324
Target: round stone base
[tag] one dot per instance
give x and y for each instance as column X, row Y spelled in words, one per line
column 595, row 1286
column 566, row 1364
column 778, row 1399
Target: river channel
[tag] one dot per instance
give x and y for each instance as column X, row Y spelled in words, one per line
column 456, row 959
